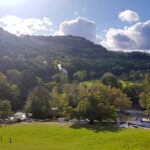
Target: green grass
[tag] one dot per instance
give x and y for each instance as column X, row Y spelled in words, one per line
column 63, row 137
column 129, row 83
column 88, row 83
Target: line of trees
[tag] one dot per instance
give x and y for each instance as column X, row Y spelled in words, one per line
column 96, row 100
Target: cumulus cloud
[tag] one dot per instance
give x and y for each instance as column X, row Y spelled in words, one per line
column 135, row 37
column 78, row 27
column 129, row 16
column 30, row 26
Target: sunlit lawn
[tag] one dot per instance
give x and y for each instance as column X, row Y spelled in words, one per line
column 63, row 137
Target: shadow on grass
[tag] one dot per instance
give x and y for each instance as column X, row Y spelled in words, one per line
column 97, row 128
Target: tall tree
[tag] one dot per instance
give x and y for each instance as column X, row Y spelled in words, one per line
column 9, row 91
column 28, row 82
column 145, row 95
column 38, row 102
column 5, row 109
column 133, row 92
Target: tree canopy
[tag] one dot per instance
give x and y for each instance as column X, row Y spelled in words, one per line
column 38, row 102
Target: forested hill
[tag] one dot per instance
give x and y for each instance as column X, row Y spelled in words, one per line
column 42, row 54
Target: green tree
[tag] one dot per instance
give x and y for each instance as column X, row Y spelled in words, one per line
column 15, row 97
column 118, row 99
column 38, row 102
column 5, row 109
column 102, row 102
column 95, row 102
column 10, row 92
column 133, row 91
column 74, row 92
column 60, row 78
column 94, row 109
column 111, row 80
column 145, row 95
column 80, row 75
column 14, row 76
column 28, row 82
column 58, row 100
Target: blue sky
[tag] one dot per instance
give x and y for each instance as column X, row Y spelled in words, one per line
column 103, row 12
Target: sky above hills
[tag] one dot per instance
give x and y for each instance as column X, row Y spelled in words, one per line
column 116, row 24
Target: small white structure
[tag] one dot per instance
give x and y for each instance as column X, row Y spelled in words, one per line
column 20, row 115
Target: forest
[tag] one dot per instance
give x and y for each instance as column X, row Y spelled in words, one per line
column 68, row 76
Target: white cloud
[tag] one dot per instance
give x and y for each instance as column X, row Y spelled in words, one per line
column 135, row 37
column 78, row 27
column 30, row 26
column 129, row 16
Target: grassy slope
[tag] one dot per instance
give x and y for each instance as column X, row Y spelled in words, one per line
column 62, row 137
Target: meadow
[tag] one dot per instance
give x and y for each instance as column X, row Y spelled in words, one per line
column 52, row 136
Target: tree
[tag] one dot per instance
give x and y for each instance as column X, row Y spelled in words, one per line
column 74, row 92
column 15, row 95
column 80, row 75
column 102, row 102
column 133, row 91
column 5, row 89
column 28, row 82
column 111, row 80
column 5, row 109
column 60, row 78
column 14, row 76
column 38, row 102
column 95, row 102
column 118, row 99
column 145, row 95
column 66, row 97
column 94, row 109
column 58, row 100
column 9, row 91
column 136, row 75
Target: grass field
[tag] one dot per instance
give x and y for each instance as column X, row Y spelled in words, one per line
column 63, row 137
